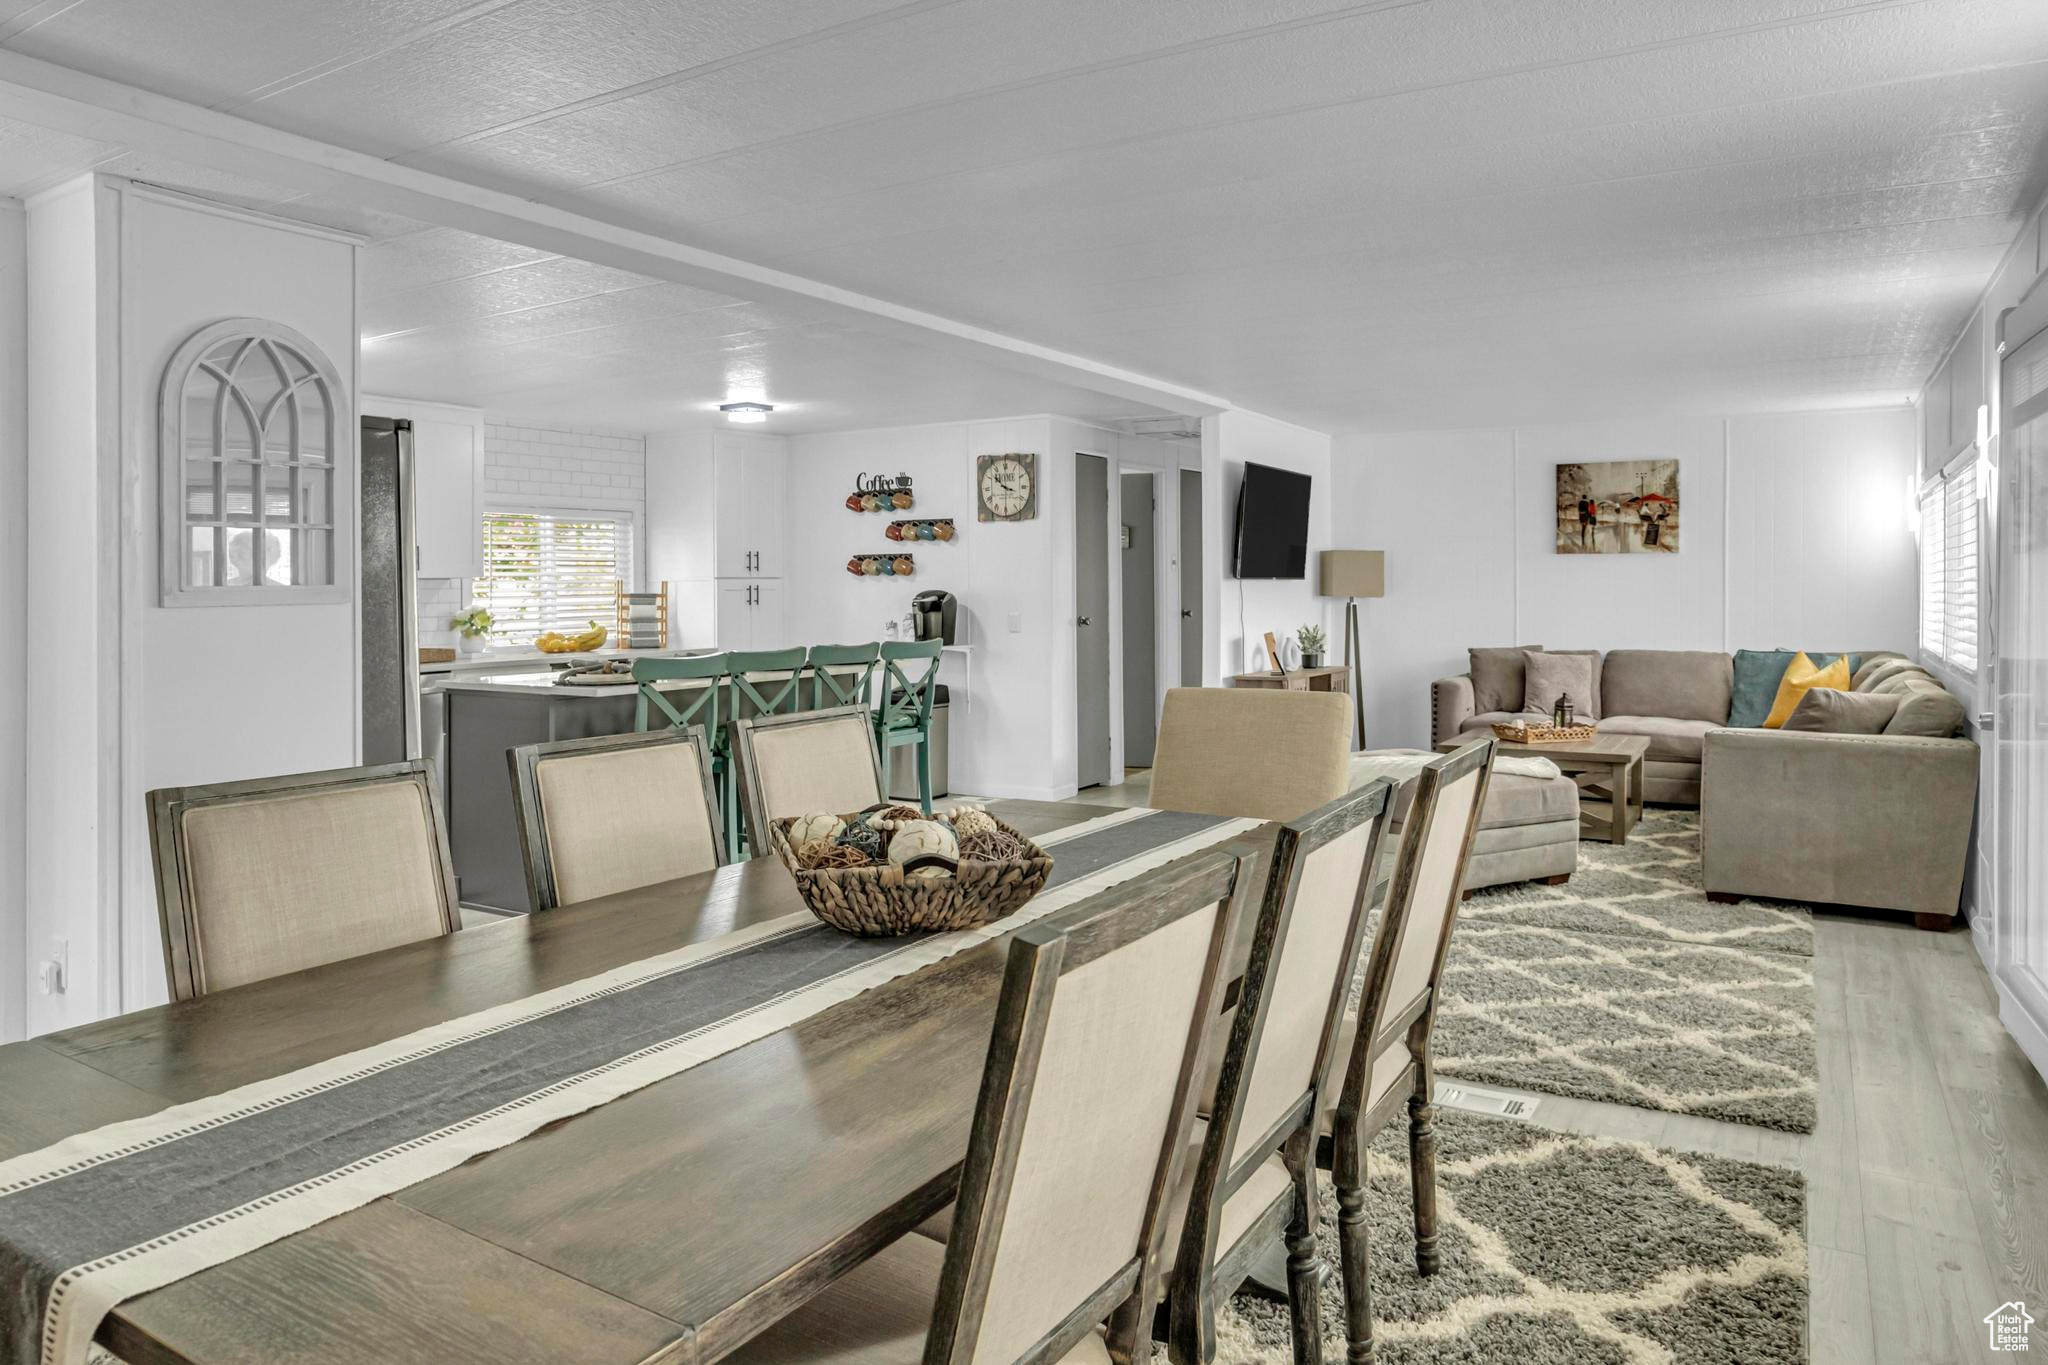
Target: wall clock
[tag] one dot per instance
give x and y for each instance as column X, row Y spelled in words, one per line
column 1006, row 487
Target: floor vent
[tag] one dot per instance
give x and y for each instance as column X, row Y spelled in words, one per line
column 1479, row 1101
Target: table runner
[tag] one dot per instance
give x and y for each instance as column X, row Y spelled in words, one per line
column 104, row 1216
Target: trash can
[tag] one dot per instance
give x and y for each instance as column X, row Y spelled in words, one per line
column 903, row 758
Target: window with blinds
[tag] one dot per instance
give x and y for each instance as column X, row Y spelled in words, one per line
column 552, row 571
column 1948, row 566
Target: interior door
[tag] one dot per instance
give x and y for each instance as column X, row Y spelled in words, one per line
column 1140, row 541
column 2021, row 665
column 1192, row 646
column 1091, row 618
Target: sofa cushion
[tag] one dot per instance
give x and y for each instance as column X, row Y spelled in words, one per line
column 1902, row 680
column 1671, row 739
column 1927, row 709
column 1691, row 684
column 1497, row 678
column 1872, row 677
column 1549, row 675
column 1829, row 711
column 1871, row 659
column 1802, row 675
column 1757, row 675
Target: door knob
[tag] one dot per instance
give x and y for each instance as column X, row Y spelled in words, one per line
column 1186, row 615
column 1086, row 621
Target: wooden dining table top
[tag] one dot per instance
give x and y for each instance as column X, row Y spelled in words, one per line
column 670, row 1225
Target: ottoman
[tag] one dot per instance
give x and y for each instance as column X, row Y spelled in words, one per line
column 1528, row 828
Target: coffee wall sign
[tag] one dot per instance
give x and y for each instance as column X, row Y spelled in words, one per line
column 881, row 493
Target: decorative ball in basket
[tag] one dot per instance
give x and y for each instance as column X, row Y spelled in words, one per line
column 891, row 869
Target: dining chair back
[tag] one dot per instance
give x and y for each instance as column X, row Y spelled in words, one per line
column 682, row 707
column 905, row 715
column 842, row 674
column 767, row 682
column 1251, row 751
column 805, row 762
column 1389, row 1061
column 1086, row 1103
column 614, row 812
column 272, row 875
column 1255, row 1178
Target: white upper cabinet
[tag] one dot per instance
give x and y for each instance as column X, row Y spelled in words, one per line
column 448, row 484
column 715, row 505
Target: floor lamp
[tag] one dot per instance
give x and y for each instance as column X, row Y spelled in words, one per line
column 1352, row 574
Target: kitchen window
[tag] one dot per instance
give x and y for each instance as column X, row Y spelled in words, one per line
column 1948, row 565
column 552, row 571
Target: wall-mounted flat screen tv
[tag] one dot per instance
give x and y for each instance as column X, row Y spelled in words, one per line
column 1272, row 523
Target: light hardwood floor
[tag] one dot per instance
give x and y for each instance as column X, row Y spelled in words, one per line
column 1927, row 1173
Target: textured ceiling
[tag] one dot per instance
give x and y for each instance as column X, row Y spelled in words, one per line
column 1382, row 215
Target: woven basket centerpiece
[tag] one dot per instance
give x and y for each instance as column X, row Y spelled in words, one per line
column 892, row 869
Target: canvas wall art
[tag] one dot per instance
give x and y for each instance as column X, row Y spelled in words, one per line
column 1618, row 507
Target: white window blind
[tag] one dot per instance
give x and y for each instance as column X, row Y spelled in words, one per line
column 1948, row 566
column 552, row 571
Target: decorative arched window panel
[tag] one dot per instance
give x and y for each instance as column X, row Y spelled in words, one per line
column 255, row 459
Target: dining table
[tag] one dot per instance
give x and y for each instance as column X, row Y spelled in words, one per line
column 671, row 1224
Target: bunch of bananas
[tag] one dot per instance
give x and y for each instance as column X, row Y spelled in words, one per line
column 554, row 642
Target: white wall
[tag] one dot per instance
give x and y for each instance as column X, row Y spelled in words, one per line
column 1013, row 722
column 165, row 696
column 14, row 970
column 1240, row 612
column 1793, row 535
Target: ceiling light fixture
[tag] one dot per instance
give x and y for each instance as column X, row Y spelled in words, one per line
column 747, row 412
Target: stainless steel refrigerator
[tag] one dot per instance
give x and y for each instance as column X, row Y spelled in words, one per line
column 387, row 604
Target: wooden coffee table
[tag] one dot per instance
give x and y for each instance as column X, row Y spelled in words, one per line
column 1616, row 760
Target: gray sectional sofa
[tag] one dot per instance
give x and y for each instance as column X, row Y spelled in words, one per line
column 1877, row 820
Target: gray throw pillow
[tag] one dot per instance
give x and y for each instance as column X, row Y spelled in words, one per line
column 1866, row 671
column 1869, row 679
column 1548, row 675
column 1927, row 709
column 1497, row 678
column 1842, row 713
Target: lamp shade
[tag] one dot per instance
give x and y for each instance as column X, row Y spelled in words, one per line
column 1354, row 573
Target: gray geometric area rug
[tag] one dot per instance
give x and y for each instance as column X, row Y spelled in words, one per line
column 1725, row 1033
column 1650, row 887
column 1558, row 1248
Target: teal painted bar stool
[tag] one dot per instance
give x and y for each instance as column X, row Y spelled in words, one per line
column 754, row 696
column 682, row 707
column 842, row 674
column 905, row 716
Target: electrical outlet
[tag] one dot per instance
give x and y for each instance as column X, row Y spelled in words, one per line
column 1016, row 623
column 54, row 974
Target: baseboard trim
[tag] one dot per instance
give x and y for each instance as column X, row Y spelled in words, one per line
column 2027, row 1031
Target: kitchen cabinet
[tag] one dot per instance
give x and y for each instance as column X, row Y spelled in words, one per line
column 448, row 484
column 749, row 614
column 748, row 477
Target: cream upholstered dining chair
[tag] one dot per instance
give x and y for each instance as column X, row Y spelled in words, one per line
column 1388, row 1037
column 1075, row 1153
column 1254, row 1179
column 1256, row 752
column 608, row 814
column 258, row 878
column 810, row 761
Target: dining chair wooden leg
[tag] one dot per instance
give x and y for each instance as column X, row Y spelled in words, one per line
column 924, row 772
column 1354, row 1247
column 1422, row 1173
column 1304, row 1262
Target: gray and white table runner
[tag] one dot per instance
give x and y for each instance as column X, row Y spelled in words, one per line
column 104, row 1216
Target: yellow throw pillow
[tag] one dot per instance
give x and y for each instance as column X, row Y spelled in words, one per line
column 1800, row 678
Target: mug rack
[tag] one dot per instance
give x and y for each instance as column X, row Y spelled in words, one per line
column 881, row 493
column 940, row 529
column 882, row 566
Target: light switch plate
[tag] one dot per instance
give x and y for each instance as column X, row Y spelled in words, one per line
column 1016, row 623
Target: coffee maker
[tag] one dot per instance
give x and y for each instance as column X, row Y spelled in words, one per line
column 934, row 615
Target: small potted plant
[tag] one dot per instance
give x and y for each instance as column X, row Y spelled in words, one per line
column 1312, row 641
column 472, row 629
